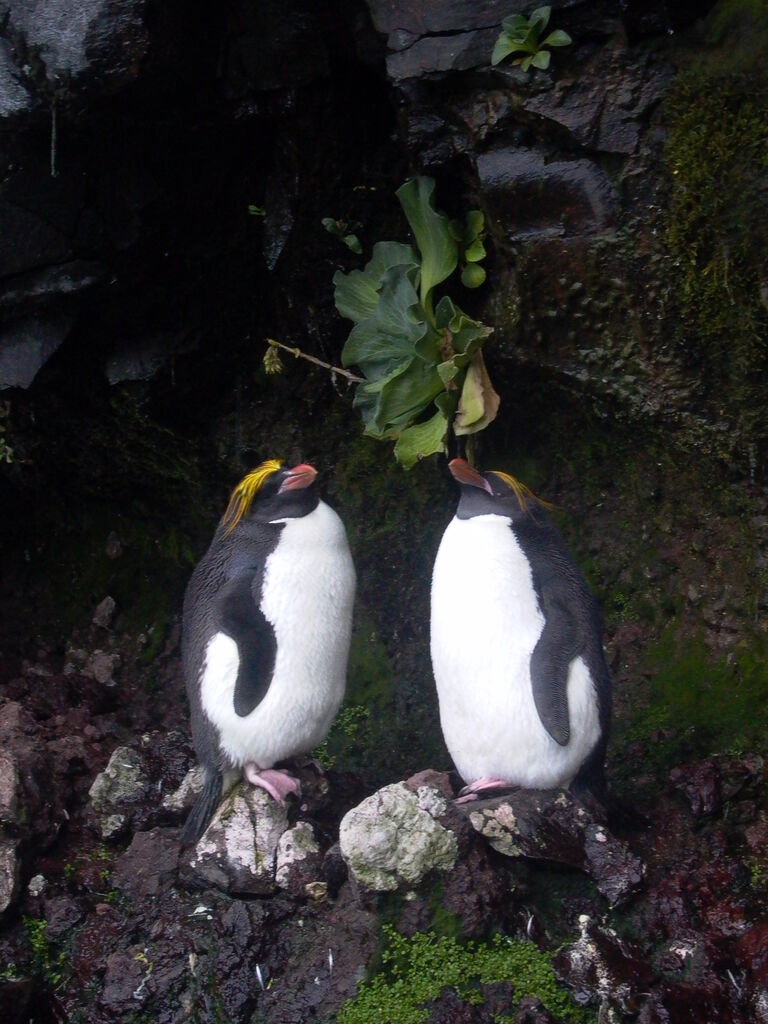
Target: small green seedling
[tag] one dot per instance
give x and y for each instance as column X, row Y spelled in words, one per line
column 340, row 229
column 524, row 36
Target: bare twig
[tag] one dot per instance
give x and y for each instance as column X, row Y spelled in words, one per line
column 318, row 362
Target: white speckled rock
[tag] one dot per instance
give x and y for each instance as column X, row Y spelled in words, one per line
column 298, row 858
column 121, row 784
column 9, row 873
column 9, row 788
column 184, row 797
column 392, row 839
column 237, row 852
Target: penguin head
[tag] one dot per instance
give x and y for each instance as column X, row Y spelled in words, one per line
column 271, row 493
column 493, row 493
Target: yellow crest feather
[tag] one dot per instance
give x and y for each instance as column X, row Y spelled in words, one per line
column 523, row 494
column 246, row 491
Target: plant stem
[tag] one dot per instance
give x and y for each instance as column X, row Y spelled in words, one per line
column 318, row 362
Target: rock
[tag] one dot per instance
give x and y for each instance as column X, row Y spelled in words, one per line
column 62, row 913
column 149, row 865
column 298, row 859
column 113, row 792
column 533, row 197
column 184, row 797
column 101, row 666
column 105, row 609
column 37, row 885
column 9, row 873
column 28, row 345
column 9, row 789
column 700, row 784
column 390, row 839
column 553, row 825
column 602, row 968
column 93, row 38
column 14, row 98
column 237, row 852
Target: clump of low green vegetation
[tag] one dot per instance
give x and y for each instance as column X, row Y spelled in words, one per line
column 716, row 230
column 52, row 968
column 416, row 969
column 525, row 36
column 340, row 229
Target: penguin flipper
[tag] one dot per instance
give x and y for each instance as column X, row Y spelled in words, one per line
column 203, row 809
column 550, row 663
column 241, row 618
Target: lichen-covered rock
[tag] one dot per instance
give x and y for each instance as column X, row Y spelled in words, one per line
column 182, row 798
column 238, row 851
column 392, row 839
column 553, row 825
column 9, row 873
column 9, row 788
column 113, row 792
column 298, row 862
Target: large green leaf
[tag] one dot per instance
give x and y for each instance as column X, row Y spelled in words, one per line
column 388, row 336
column 407, row 395
column 392, row 402
column 356, row 293
column 467, row 334
column 479, row 403
column 432, row 230
column 421, row 440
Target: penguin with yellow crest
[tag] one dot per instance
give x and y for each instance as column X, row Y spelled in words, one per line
column 516, row 645
column 265, row 635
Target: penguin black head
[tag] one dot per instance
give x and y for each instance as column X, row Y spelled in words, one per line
column 493, row 493
column 271, row 493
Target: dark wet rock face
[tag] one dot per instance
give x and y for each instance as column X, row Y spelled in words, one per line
column 513, row 180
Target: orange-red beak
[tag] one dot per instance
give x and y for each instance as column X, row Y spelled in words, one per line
column 464, row 474
column 299, row 477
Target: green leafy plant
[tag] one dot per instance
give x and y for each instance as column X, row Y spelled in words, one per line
column 524, row 36
column 340, row 230
column 416, row 969
column 417, row 354
column 53, row 969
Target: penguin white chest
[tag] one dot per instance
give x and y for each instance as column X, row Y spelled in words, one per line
column 485, row 624
column 307, row 596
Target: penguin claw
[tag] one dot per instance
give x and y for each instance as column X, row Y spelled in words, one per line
column 277, row 783
column 471, row 791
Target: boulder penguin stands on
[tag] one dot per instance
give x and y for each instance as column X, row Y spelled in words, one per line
column 516, row 645
column 266, row 630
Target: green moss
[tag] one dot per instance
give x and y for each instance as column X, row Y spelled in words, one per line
column 699, row 705
column 716, row 232
column 417, row 968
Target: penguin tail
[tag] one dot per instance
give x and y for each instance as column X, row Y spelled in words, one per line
column 204, row 808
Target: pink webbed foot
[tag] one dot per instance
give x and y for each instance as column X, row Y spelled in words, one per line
column 480, row 786
column 277, row 783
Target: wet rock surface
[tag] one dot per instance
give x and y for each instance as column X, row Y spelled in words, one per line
column 134, row 285
column 555, row 826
